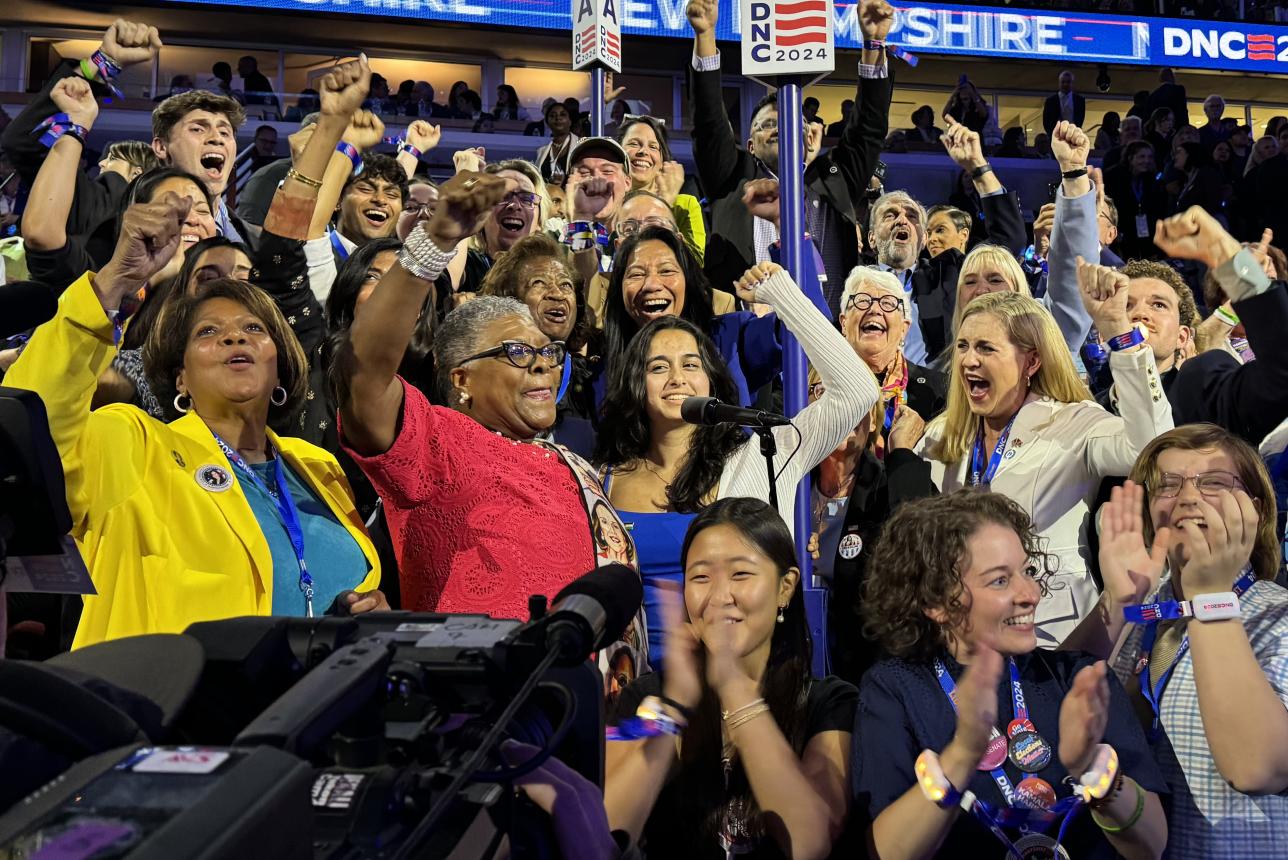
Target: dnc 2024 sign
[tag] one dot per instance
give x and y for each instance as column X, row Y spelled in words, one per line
column 928, row 28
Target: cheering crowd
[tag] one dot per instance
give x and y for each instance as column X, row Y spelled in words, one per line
column 1047, row 463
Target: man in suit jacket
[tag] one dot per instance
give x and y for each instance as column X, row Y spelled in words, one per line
column 897, row 233
column 1170, row 95
column 1064, row 105
column 834, row 182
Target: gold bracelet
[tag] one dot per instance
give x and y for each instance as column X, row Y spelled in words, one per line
column 725, row 715
column 292, row 173
column 1130, row 822
column 748, row 717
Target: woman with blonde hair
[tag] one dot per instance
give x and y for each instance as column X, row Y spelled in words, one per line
column 1021, row 422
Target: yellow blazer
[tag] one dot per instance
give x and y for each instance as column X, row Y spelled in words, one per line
column 163, row 551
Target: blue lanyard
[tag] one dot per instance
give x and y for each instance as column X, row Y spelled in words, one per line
column 978, row 474
column 1150, row 614
column 285, row 508
column 338, row 246
column 1011, row 816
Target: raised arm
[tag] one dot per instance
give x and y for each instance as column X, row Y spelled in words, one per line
column 856, row 153
column 1073, row 235
column 849, row 389
column 718, row 154
column 1112, row 449
column 421, row 136
column 44, row 221
column 66, row 356
column 371, row 395
column 364, row 131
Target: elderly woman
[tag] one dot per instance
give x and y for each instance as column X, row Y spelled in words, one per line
column 482, row 511
column 659, row 470
column 538, row 271
column 213, row 515
column 652, row 169
column 759, row 768
column 1201, row 507
column 951, row 597
column 655, row 275
column 1021, row 421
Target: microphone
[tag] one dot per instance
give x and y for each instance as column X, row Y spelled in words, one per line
column 591, row 612
column 24, row 305
column 709, row 410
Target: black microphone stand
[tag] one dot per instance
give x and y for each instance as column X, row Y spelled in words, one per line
column 768, row 448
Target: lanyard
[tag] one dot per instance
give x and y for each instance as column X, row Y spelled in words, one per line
column 950, row 690
column 286, row 510
column 338, row 246
column 1150, row 614
column 978, row 474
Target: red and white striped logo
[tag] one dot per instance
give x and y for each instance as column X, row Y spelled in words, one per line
column 800, row 23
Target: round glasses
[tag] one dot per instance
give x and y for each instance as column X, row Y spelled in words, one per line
column 522, row 355
column 861, row 302
column 1207, row 483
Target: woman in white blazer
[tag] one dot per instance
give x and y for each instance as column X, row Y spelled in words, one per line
column 1021, row 422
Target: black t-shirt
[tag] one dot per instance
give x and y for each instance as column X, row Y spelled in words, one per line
column 672, row 831
column 903, row 710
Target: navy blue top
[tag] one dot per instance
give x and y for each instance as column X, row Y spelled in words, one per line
column 903, row 710
column 658, row 537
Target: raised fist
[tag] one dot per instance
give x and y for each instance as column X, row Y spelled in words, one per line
column 670, row 178
column 1195, row 235
column 876, row 17
column 907, row 428
column 745, row 287
column 1042, row 227
column 760, row 196
column 72, row 95
column 592, row 198
column 1070, row 146
column 470, row 160
column 345, row 88
column 1104, row 295
column 702, row 15
column 365, row 130
column 150, row 235
column 423, row 136
column 465, row 202
column 127, row 43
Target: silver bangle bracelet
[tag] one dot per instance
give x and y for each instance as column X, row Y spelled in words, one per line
column 421, row 257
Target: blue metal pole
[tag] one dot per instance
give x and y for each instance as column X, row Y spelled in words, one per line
column 791, row 201
column 597, row 100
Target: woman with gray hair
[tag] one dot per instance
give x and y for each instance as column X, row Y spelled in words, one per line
column 483, row 511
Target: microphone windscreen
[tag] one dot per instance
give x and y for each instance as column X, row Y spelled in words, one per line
column 25, row 305
column 615, row 587
column 693, row 408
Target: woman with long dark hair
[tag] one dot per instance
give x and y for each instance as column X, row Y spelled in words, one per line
column 656, row 275
column 659, row 470
column 761, row 763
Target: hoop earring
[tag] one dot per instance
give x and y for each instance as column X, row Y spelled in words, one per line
column 182, row 409
column 275, row 399
column 781, row 619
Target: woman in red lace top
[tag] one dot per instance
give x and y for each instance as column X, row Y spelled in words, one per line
column 482, row 513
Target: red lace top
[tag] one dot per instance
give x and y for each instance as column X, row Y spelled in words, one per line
column 479, row 521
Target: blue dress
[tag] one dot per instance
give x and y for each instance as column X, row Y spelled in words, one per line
column 658, row 537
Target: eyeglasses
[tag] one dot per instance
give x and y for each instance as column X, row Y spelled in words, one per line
column 526, row 199
column 861, row 302
column 631, row 226
column 414, row 208
column 767, row 125
column 522, row 355
column 1207, row 483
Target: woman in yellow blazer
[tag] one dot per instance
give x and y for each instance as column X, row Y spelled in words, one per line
column 188, row 521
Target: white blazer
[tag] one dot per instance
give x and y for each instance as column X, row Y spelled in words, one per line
column 1055, row 458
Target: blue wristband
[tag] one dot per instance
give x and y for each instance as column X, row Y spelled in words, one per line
column 1126, row 341
column 408, row 148
column 349, row 151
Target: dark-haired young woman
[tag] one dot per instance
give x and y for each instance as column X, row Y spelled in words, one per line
column 659, row 470
column 761, row 763
column 656, row 275
column 966, row 703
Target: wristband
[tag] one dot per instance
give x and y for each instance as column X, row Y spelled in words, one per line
column 1074, row 174
column 682, row 710
column 1226, row 315
column 980, row 172
column 1134, row 337
column 1096, row 782
column 1215, row 607
column 585, row 236
column 102, row 68
column 349, row 151
column 56, row 126
column 1130, row 822
column 936, row 787
column 409, row 149
column 873, row 44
